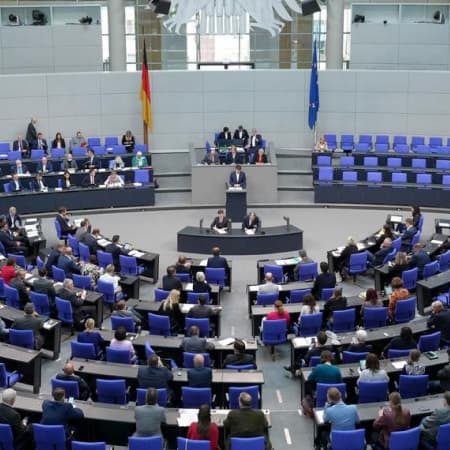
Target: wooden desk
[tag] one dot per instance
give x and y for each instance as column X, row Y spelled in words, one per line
column 27, row 362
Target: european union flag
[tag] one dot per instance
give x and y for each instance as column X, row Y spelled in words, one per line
column 313, row 91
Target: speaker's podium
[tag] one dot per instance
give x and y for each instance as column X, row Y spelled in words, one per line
column 236, row 204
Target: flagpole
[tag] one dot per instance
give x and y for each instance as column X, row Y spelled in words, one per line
column 143, row 121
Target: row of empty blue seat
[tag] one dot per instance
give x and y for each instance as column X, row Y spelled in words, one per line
column 382, row 143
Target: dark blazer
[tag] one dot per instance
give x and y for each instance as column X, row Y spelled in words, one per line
column 29, row 322
column 380, row 255
column 198, row 286
column 87, row 181
column 441, row 321
column 236, row 158
column 200, row 312
column 94, row 162
column 35, row 144
column 360, row 348
column 55, row 143
column 16, row 187
column 200, row 377
column 220, row 223
column 241, row 135
column 239, row 359
column 419, row 259
column 169, row 283
column 347, row 252
column 75, row 300
column 116, row 251
column 12, row 417
column 254, row 225
column 21, row 289
column 82, row 385
column 24, row 145
column 91, row 242
column 225, row 136
column 257, row 141
column 68, row 265
column 175, row 315
column 45, row 286
column 7, row 240
column 155, row 377
column 37, row 187
column 323, row 281
column 407, row 237
column 334, row 305
column 242, row 179
column 13, row 225
column 217, row 262
column 64, row 225
column 60, row 413
column 52, row 260
column 48, row 168
column 31, row 134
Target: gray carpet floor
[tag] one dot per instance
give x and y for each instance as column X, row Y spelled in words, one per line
column 324, row 229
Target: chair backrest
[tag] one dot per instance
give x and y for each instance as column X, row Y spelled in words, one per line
column 240, row 367
column 142, row 176
column 409, row 278
column 266, row 299
column 22, row 338
column 417, row 140
column 118, row 355
column 393, row 353
column 85, row 253
column 160, row 294
column 104, row 258
column 215, row 275
column 77, row 445
column 358, row 263
column 6, row 437
column 443, row 164
column 161, row 393
column 20, row 259
column 346, row 161
column 274, row 331
column 435, row 141
column 127, row 322
column 41, row 303
column 419, row 163
column 93, row 141
column 326, row 293
column 322, row 389
column 352, row 357
column 411, row 386
column 202, row 324
column 330, row 139
column 111, row 140
column 14, row 154
column 82, row 281
column 252, row 443
column 405, row 310
column 374, row 177
column 375, row 317
column 429, row 342
column 443, row 437
column 350, row 175
column 184, row 277
column 128, row 265
column 49, row 437
column 39, row 263
column 192, row 297
column 348, row 439
column 111, row 391
column 446, row 180
column 145, row 443
column 107, row 289
column 73, row 243
column 12, row 297
column 423, row 178
column 430, row 269
column 344, row 321
column 276, row 271
column 159, row 325
column 194, row 397
column 188, row 359
column 190, row 444
column 390, row 256
column 373, row 391
column 59, row 231
column 394, row 162
column 324, row 160
column 444, row 261
column 398, row 177
column 325, row 174
column 64, row 309
column 83, row 350
column 71, row 388
column 310, row 324
column 370, row 161
column 405, row 440
column 381, row 139
column 58, row 274
column 6, row 187
column 307, row 271
column 397, row 243
column 296, row 295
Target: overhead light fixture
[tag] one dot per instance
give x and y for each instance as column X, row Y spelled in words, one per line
column 230, row 16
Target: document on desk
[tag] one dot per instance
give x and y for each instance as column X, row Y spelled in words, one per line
column 287, row 262
column 221, row 230
column 136, row 253
column 337, row 252
column 203, row 263
column 250, row 231
column 103, row 242
column 437, row 242
column 361, row 245
column 399, row 364
column 301, row 342
column 225, row 342
column 187, row 416
column 186, row 307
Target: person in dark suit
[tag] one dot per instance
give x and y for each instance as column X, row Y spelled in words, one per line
column 19, row 168
column 220, row 221
column 429, row 426
column 43, row 285
column 419, row 259
column 251, row 222
column 246, row 422
column 170, row 280
column 254, row 143
column 92, row 160
column 53, row 257
column 21, row 430
column 21, row 145
column 211, row 158
column 67, row 263
column 18, row 282
column 15, row 184
column 377, row 259
column 194, row 343
column 183, row 265
column 325, row 280
column 90, row 180
column 239, row 357
column 201, row 310
column 150, row 418
column 30, row 322
column 358, row 343
column 44, row 166
column 225, row 134
column 68, row 374
column 39, row 184
column 440, row 320
column 200, row 284
column 13, row 219
column 89, row 240
column 260, row 157
column 238, row 178
column 40, row 143
column 408, row 235
column 217, row 261
column 11, row 243
column 60, row 412
column 64, row 221
column 76, row 298
column 233, row 157
column 336, row 302
column 242, row 134
column 344, row 257
column 403, row 342
column 32, row 134
column 115, row 250
column 199, row 376
column 155, row 374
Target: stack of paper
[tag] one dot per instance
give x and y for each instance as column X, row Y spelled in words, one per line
column 187, row 416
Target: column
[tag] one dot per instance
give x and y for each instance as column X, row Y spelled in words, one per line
column 116, row 26
column 335, row 34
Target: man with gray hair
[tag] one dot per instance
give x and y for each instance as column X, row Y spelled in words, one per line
column 22, row 433
column 199, row 376
column 377, row 259
column 269, row 287
column 440, row 320
column 358, row 344
column 246, row 422
column 30, row 322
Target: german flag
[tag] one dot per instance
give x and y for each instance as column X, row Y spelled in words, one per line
column 146, row 98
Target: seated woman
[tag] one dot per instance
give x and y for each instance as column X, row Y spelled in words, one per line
column 59, row 141
column 260, row 158
column 220, row 222
column 120, row 342
column 344, row 257
column 399, row 293
column 372, row 300
column 391, row 418
column 403, row 342
column 128, row 141
column 66, row 181
column 322, row 145
column 8, row 271
column 309, row 306
column 372, row 372
column 114, row 180
column 117, row 163
column 183, row 265
column 171, row 307
column 92, row 336
column 412, row 366
column 200, row 284
column 399, row 265
column 139, row 161
column 204, row 429
column 251, row 223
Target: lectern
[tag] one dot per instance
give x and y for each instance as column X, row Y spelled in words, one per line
column 236, row 206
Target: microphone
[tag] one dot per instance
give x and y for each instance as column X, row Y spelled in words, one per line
column 201, row 225
column 287, row 219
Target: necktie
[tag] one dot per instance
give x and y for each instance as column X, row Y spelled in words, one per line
column 92, row 180
column 40, row 144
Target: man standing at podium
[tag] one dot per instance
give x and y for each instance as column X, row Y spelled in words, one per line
column 238, row 178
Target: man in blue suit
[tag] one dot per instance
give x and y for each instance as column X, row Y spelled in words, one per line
column 217, row 261
column 44, row 166
column 66, row 263
column 418, row 259
column 408, row 235
column 60, row 412
column 15, row 185
column 238, row 178
column 199, row 376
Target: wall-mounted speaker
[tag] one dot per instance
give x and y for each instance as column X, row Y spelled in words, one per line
column 310, row 7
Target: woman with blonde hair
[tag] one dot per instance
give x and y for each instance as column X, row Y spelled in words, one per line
column 91, row 336
column 170, row 307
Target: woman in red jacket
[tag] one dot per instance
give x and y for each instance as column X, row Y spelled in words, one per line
column 8, row 271
column 279, row 313
column 204, row 429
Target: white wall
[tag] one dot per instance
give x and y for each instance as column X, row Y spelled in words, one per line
column 190, row 106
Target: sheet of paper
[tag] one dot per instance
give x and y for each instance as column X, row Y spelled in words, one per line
column 225, row 342
column 203, row 262
column 319, row 415
column 186, row 419
column 301, row 342
column 437, row 242
column 136, row 253
column 249, row 231
column 103, row 242
column 399, row 364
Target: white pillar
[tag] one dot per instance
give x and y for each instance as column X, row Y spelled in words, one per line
column 116, row 25
column 335, row 34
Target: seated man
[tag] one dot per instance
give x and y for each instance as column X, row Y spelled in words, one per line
column 44, row 166
column 241, row 133
column 43, row 285
column 254, row 143
column 419, row 259
column 269, row 287
column 18, row 282
column 115, row 249
column 19, row 168
column 69, row 163
column 170, row 280
column 440, row 320
column 194, row 343
column 224, row 135
column 430, row 425
column 233, row 157
column 123, row 311
column 251, row 223
column 13, row 219
column 336, row 302
column 68, row 374
column 63, row 219
column 239, row 357
column 150, row 417
column 201, row 310
column 325, row 280
column 443, row 375
column 377, row 259
column 78, row 141
column 91, row 180
column 53, row 257
column 93, row 162
column 408, row 235
column 67, row 263
column 199, row 376
column 15, row 185
column 155, row 374
column 30, row 322
column 325, row 372
column 217, row 261
column 238, row 178
column 21, row 145
column 12, row 243
column 211, row 158
column 358, row 344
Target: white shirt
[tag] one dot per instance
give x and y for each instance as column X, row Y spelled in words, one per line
column 107, row 278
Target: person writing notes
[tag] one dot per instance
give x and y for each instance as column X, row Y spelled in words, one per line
column 114, row 180
column 238, row 178
column 220, row 223
column 251, row 223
